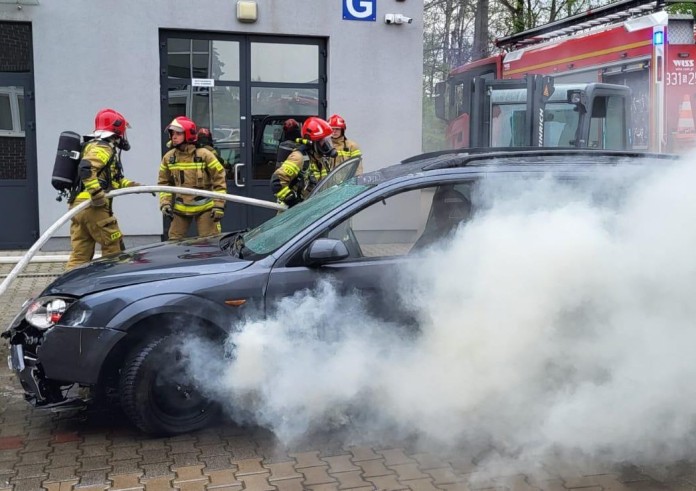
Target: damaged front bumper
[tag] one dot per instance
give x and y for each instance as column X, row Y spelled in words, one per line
column 52, row 365
column 39, row 391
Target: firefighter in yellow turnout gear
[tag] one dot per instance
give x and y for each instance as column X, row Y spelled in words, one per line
column 185, row 165
column 297, row 176
column 99, row 172
column 346, row 149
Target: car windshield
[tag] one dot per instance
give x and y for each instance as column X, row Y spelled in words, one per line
column 275, row 232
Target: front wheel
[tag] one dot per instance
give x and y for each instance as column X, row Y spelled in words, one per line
column 157, row 394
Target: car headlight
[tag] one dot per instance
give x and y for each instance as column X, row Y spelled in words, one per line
column 45, row 313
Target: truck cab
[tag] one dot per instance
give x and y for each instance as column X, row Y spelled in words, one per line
column 533, row 112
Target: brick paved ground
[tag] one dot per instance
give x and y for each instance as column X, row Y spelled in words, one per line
column 98, row 449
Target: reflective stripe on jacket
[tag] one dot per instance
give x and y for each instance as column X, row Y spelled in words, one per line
column 195, row 168
column 347, row 149
column 99, row 153
column 291, row 177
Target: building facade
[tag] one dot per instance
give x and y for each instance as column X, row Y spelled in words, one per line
column 229, row 65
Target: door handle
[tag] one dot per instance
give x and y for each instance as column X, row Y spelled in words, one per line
column 237, row 181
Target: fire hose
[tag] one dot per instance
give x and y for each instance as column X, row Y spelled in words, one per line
column 19, row 267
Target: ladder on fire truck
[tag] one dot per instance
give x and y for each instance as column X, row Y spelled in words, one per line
column 600, row 16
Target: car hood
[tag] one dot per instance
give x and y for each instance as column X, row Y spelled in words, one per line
column 160, row 261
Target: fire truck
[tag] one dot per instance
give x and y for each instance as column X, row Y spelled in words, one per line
column 631, row 43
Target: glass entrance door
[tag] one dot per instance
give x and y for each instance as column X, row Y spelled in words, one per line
column 233, row 85
column 202, row 80
column 287, row 78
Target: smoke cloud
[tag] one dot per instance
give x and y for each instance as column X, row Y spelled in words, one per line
column 560, row 318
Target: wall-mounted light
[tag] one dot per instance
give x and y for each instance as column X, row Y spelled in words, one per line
column 247, row 11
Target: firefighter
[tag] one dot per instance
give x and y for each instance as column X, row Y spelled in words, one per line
column 188, row 166
column 347, row 149
column 297, row 176
column 288, row 141
column 291, row 130
column 99, row 172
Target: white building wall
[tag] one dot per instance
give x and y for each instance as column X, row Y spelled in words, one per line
column 91, row 54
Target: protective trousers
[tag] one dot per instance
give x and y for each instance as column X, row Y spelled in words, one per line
column 93, row 225
column 205, row 225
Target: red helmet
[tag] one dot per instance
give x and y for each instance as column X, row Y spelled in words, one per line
column 336, row 121
column 290, row 124
column 319, row 132
column 205, row 137
column 315, row 129
column 184, row 125
column 111, row 121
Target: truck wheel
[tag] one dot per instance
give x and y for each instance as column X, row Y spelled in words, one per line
column 157, row 394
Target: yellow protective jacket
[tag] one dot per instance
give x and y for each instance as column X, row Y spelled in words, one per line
column 298, row 175
column 195, row 168
column 100, row 171
column 347, row 149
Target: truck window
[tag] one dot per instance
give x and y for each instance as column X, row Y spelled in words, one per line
column 560, row 125
column 607, row 127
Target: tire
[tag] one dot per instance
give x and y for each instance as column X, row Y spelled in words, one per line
column 156, row 394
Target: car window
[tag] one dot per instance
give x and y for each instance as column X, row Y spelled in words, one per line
column 405, row 223
column 275, row 232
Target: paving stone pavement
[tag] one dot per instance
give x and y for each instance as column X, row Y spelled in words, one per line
column 98, row 449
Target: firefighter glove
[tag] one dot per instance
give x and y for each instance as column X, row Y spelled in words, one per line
column 291, row 199
column 166, row 210
column 98, row 199
column 217, row 214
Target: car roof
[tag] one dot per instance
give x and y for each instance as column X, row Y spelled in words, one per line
column 531, row 159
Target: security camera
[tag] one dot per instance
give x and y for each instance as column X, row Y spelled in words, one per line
column 402, row 19
column 397, row 19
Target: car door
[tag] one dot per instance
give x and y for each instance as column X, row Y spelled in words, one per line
column 379, row 237
column 341, row 173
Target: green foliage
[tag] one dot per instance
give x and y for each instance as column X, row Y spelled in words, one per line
column 682, row 8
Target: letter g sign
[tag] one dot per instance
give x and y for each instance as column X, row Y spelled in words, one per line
column 360, row 10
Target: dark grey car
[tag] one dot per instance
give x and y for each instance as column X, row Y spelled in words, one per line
column 112, row 325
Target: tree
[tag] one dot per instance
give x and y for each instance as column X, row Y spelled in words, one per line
column 481, row 40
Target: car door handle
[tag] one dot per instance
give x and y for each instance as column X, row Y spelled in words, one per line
column 237, row 181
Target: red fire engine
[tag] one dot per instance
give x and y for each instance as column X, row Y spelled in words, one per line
column 630, row 43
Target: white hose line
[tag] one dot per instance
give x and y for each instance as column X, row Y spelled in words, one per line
column 112, row 194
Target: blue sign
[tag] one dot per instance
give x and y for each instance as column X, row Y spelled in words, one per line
column 360, row 10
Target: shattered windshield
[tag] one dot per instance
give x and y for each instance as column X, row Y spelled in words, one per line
column 272, row 234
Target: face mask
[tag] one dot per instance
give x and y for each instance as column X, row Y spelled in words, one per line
column 325, row 147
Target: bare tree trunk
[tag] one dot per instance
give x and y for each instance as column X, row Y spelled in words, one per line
column 480, row 47
column 447, row 46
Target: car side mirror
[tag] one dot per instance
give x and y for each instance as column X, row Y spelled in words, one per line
column 323, row 251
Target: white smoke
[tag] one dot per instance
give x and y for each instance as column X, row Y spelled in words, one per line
column 560, row 317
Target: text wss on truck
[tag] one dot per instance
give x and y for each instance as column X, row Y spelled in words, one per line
column 534, row 112
column 631, row 42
